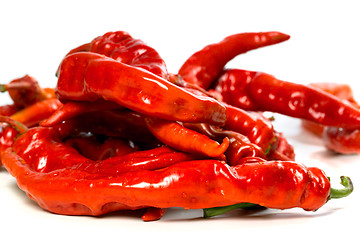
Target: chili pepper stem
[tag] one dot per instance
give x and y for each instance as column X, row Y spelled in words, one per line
column 2, row 88
column 19, row 127
column 211, row 212
column 343, row 192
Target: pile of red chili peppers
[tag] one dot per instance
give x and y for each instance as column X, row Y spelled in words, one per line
column 121, row 132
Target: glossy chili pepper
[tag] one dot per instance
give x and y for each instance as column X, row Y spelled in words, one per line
column 26, row 91
column 259, row 130
column 73, row 109
column 240, row 148
column 339, row 140
column 263, row 92
column 122, row 47
column 181, row 138
column 33, row 114
column 95, row 148
column 7, row 137
column 205, row 66
column 191, row 185
column 90, row 77
column 123, row 124
column 9, row 109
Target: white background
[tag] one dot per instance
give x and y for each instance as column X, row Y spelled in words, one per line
column 324, row 46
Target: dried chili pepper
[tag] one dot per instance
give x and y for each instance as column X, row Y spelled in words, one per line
column 263, row 92
column 75, row 192
column 26, row 91
column 340, row 140
column 184, row 139
column 90, row 77
column 122, row 47
column 205, row 66
column 33, row 114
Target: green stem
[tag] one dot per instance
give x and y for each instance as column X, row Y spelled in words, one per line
column 211, row 212
column 343, row 192
column 20, row 128
column 3, row 88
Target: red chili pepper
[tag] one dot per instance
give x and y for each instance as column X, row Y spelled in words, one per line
column 90, row 77
column 7, row 110
column 73, row 109
column 205, row 66
column 251, row 124
column 340, row 140
column 33, row 114
column 122, row 47
column 191, row 185
column 184, row 139
column 26, row 91
column 95, row 149
column 263, row 92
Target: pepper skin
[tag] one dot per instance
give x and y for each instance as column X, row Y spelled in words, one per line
column 339, row 140
column 184, row 139
column 258, row 91
column 205, row 66
column 35, row 113
column 26, row 91
column 191, row 185
column 90, row 77
column 123, row 48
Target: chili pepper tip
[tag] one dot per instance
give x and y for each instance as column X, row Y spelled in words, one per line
column 343, row 192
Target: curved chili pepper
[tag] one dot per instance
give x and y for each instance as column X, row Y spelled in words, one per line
column 9, row 109
column 72, row 109
column 340, row 140
column 122, row 47
column 90, row 77
column 26, row 91
column 205, row 66
column 191, row 185
column 253, row 125
column 33, row 114
column 95, row 149
column 184, row 139
column 263, row 92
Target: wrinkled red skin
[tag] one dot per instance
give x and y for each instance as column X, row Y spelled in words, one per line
column 95, row 149
column 339, row 140
column 251, row 124
column 7, row 137
column 122, row 47
column 257, row 91
column 52, row 153
column 72, row 191
column 72, row 109
column 205, row 66
column 120, row 124
column 8, row 110
column 90, row 77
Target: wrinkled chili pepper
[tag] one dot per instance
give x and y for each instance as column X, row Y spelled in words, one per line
column 90, row 77
column 72, row 109
column 262, row 92
column 26, row 91
column 339, row 140
column 184, row 139
column 122, row 47
column 95, row 148
column 73, row 192
column 205, row 66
